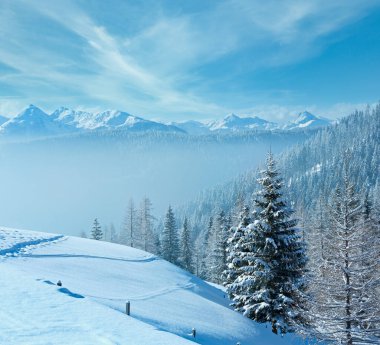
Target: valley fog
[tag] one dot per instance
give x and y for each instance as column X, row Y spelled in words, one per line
column 62, row 184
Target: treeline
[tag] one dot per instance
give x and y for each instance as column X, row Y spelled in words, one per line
column 143, row 140
column 140, row 229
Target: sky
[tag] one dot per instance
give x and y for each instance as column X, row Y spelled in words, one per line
column 190, row 59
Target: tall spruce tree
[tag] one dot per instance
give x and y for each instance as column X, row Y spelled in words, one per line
column 186, row 258
column 96, row 232
column 169, row 243
column 270, row 259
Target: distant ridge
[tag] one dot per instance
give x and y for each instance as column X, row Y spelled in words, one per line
column 34, row 122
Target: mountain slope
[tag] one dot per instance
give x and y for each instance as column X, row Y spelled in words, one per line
column 192, row 127
column 74, row 118
column 98, row 278
column 310, row 169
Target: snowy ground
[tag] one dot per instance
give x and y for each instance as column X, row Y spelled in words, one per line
column 98, row 278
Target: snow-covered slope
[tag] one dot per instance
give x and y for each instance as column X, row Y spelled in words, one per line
column 233, row 122
column 307, row 120
column 97, row 280
column 74, row 118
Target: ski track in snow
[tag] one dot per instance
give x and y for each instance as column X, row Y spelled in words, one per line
column 23, row 245
column 60, row 256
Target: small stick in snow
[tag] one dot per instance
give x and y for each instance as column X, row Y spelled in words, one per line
column 193, row 332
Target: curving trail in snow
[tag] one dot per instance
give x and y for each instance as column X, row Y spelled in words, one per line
column 149, row 295
column 19, row 242
column 61, row 256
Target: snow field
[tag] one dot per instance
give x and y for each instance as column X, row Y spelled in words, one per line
column 98, row 278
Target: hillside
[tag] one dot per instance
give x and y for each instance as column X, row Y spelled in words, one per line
column 310, row 169
column 98, row 278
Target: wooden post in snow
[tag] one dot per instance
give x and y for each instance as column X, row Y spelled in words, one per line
column 128, row 308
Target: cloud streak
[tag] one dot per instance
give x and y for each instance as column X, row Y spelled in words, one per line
column 172, row 67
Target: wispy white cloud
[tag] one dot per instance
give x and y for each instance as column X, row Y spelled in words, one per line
column 157, row 69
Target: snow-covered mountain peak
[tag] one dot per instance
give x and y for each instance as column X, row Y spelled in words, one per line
column 31, row 112
column 308, row 120
column 231, row 117
column 33, row 121
column 116, row 118
column 75, row 119
column 235, row 123
column 304, row 117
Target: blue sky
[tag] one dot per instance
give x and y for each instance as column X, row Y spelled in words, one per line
column 176, row 60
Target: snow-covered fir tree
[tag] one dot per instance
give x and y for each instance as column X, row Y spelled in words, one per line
column 96, row 232
column 169, row 241
column 156, row 243
column 105, row 231
column 203, row 243
column 186, row 258
column 237, row 209
column 345, row 303
column 236, row 233
column 197, row 257
column 270, row 259
column 130, row 231
column 217, row 257
column 113, row 237
column 146, row 226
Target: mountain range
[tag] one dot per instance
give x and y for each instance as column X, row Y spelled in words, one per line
column 34, row 122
